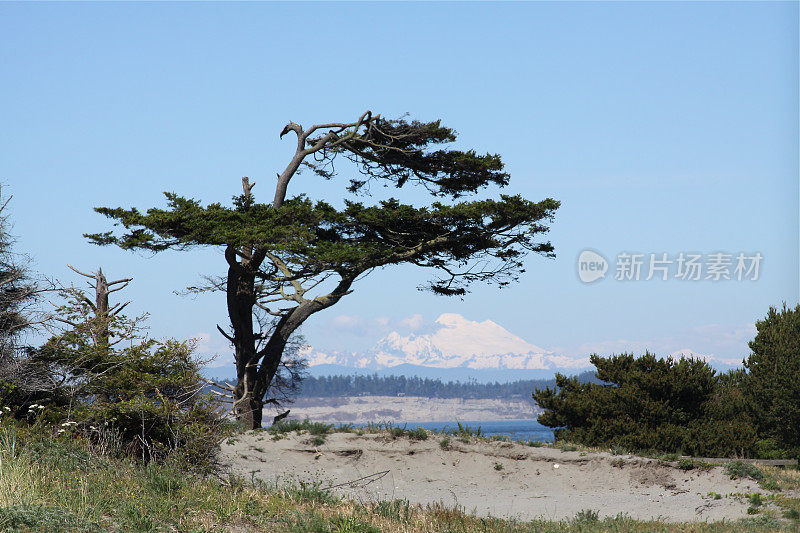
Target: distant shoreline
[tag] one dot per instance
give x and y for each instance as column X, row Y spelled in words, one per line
column 364, row 409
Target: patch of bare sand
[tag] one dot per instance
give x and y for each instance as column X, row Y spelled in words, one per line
column 490, row 478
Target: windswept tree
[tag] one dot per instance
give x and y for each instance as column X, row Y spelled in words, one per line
column 293, row 257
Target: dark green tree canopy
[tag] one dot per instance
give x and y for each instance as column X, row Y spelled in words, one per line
column 773, row 380
column 649, row 402
column 313, row 238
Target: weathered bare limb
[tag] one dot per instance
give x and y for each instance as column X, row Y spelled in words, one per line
column 224, row 334
column 92, row 276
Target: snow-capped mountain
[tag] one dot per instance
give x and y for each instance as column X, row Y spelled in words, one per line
column 456, row 342
column 456, row 348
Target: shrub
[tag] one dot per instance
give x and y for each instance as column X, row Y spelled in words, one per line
column 144, row 400
column 151, row 405
column 648, row 403
column 21, row 383
column 418, row 434
column 740, row 469
column 397, row 432
column 769, row 448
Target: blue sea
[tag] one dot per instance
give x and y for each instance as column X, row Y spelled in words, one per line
column 523, row 430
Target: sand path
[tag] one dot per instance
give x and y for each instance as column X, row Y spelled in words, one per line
column 490, row 478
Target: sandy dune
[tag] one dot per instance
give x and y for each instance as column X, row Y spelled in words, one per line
column 528, row 483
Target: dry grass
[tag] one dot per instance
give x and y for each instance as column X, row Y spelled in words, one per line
column 783, row 479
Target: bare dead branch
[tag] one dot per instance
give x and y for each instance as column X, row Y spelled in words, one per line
column 224, row 334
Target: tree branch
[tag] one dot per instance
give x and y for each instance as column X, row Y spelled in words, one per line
column 224, row 334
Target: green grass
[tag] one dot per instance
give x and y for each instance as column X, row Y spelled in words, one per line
column 465, row 432
column 313, row 428
column 317, row 430
column 400, row 511
column 310, row 493
column 587, row 516
column 286, row 426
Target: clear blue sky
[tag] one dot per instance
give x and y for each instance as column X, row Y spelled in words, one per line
column 663, row 127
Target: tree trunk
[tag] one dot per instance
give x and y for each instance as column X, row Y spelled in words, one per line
column 256, row 370
column 101, row 308
column 241, row 299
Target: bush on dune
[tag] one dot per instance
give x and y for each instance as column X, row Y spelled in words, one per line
column 649, row 403
column 143, row 400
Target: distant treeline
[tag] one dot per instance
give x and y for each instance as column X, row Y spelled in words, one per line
column 374, row 385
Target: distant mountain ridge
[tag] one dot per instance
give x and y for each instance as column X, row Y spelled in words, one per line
column 457, row 348
column 456, row 343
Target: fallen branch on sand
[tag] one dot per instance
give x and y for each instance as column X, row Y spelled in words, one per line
column 372, row 477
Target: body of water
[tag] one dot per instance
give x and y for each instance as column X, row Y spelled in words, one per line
column 523, row 430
